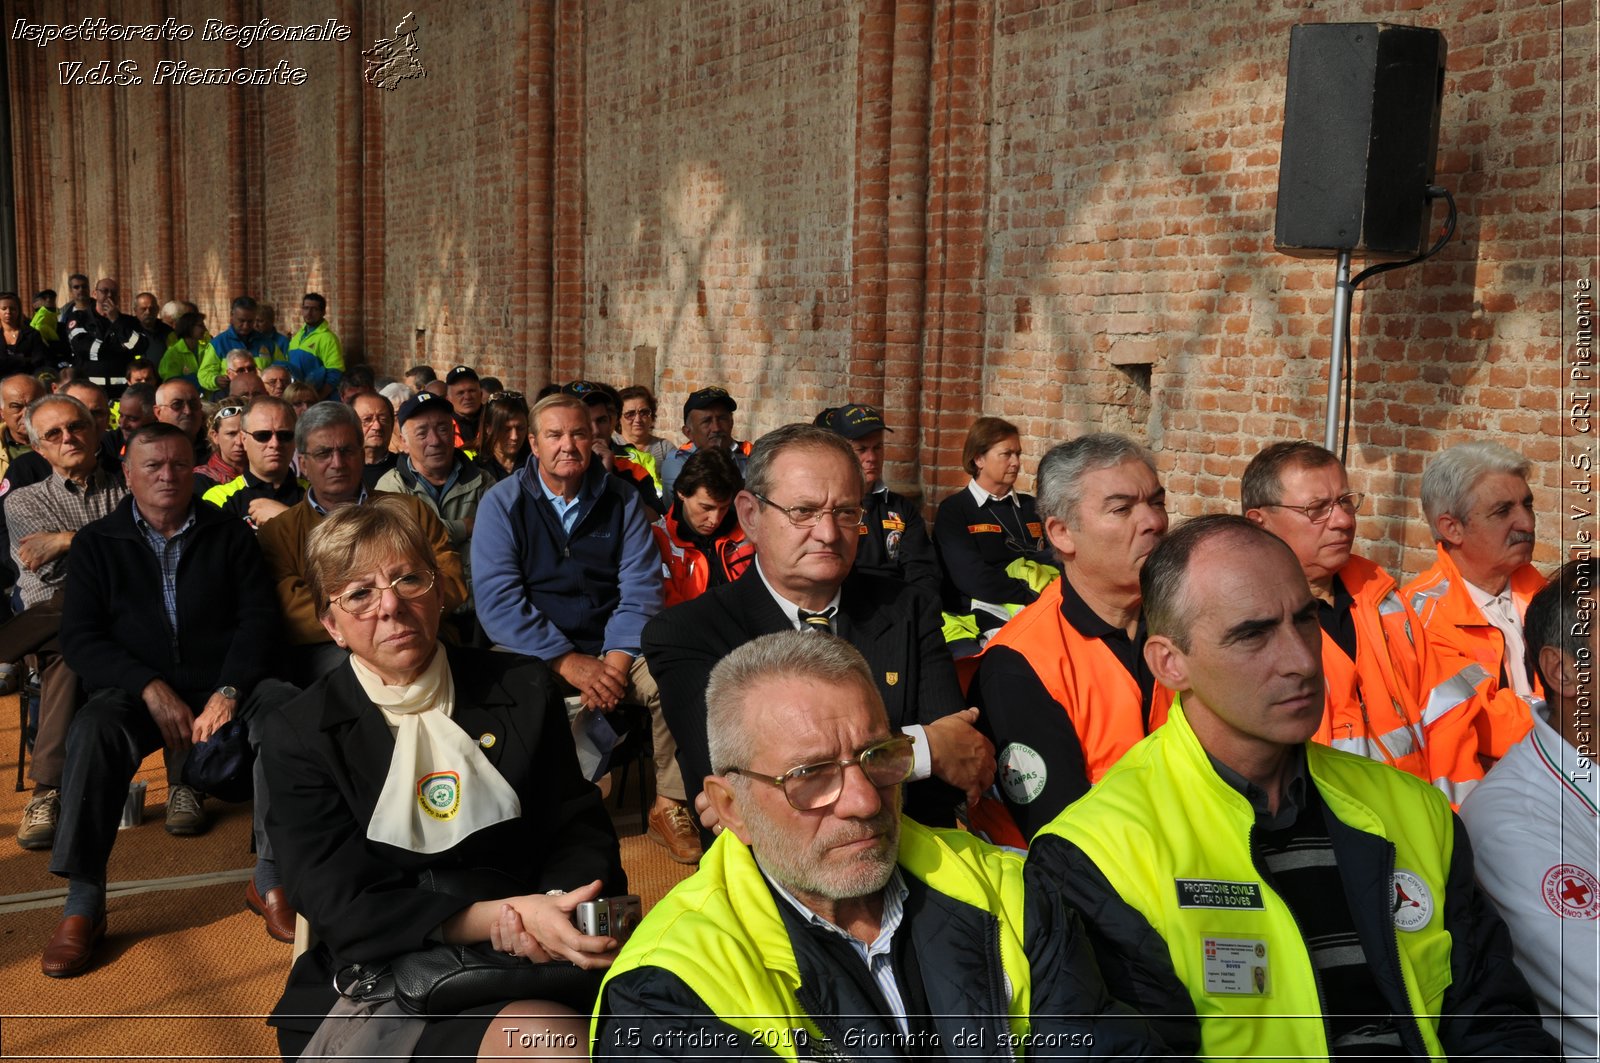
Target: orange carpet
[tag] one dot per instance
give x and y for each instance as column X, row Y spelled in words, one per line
column 185, row 972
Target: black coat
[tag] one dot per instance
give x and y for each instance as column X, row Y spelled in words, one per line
column 114, row 627
column 326, row 756
column 895, row 626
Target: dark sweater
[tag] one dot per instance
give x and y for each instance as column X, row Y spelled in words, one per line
column 114, row 630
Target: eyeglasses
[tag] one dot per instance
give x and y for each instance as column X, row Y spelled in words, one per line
column 810, row 516
column 181, row 404
column 1319, row 512
column 322, row 454
column 637, row 415
column 809, row 787
column 222, row 414
column 363, row 601
column 266, row 435
column 60, row 432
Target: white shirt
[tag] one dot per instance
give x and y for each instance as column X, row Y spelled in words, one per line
column 1501, row 611
column 921, row 756
column 1536, row 842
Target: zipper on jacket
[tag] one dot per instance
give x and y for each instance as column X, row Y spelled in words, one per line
column 999, row 1002
column 1316, row 980
column 1393, row 941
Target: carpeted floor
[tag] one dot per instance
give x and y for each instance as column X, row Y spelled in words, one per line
column 187, row 971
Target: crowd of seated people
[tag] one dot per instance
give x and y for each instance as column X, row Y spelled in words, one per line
column 867, row 732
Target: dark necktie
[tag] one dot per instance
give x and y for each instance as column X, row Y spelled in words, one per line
column 822, row 622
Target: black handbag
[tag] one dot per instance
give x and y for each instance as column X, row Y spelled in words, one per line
column 448, row 979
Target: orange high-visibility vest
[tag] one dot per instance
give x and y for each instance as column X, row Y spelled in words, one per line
column 1468, row 717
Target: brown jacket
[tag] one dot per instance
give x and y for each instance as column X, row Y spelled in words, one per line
column 283, row 541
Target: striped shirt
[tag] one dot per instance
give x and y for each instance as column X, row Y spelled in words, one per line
column 168, row 553
column 876, row 955
column 55, row 505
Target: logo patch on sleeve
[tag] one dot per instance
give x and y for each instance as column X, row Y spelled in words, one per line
column 1413, row 901
column 1022, row 773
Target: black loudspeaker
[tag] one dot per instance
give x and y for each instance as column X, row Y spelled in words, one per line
column 1360, row 132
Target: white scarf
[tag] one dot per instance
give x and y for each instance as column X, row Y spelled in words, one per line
column 440, row 788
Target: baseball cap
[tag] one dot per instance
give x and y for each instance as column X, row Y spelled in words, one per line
column 854, row 421
column 422, row 400
column 707, row 397
column 460, row 372
column 593, row 393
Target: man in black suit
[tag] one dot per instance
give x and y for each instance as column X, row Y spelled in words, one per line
column 802, row 508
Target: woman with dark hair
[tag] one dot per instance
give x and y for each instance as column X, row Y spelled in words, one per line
column 503, row 446
column 24, row 349
column 637, row 429
column 426, row 796
column 182, row 358
column 987, row 526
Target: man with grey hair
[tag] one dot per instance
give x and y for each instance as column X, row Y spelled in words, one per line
column 1471, row 602
column 1064, row 685
column 178, row 402
column 822, row 921
column 43, row 519
column 328, row 438
column 802, row 508
column 1258, row 894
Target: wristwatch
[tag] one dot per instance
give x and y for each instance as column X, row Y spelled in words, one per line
column 231, row 693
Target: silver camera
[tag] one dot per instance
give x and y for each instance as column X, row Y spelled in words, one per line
column 608, row 916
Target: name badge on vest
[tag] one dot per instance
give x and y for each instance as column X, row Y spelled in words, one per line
column 1236, row 966
column 1214, row 893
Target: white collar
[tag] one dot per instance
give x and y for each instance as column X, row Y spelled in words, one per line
column 791, row 611
column 980, row 496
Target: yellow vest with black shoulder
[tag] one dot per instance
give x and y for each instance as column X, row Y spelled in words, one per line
column 721, row 933
column 1173, row 839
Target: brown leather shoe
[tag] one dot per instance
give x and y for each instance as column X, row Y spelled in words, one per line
column 673, row 828
column 274, row 908
column 71, row 948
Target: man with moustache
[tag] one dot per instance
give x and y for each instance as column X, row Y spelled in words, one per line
column 1373, row 645
column 431, row 468
column 707, row 422
column 821, row 922
column 1064, row 685
column 1258, row 894
column 1472, row 602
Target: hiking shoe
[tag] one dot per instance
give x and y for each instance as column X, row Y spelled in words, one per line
column 185, row 814
column 38, row 830
column 672, row 827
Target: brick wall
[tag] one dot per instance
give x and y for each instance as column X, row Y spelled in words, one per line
column 1056, row 212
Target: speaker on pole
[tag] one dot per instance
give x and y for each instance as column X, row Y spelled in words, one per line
column 1360, row 133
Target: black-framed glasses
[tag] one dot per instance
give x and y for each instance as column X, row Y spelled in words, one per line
column 1318, row 512
column 221, row 415
column 60, row 432
column 886, row 762
column 267, row 435
column 363, row 601
column 811, row 516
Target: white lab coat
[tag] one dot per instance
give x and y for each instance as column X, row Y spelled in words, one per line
column 1536, row 842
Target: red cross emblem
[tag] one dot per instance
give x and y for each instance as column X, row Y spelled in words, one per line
column 1571, row 892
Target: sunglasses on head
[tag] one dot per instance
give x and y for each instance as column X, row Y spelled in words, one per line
column 226, row 412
